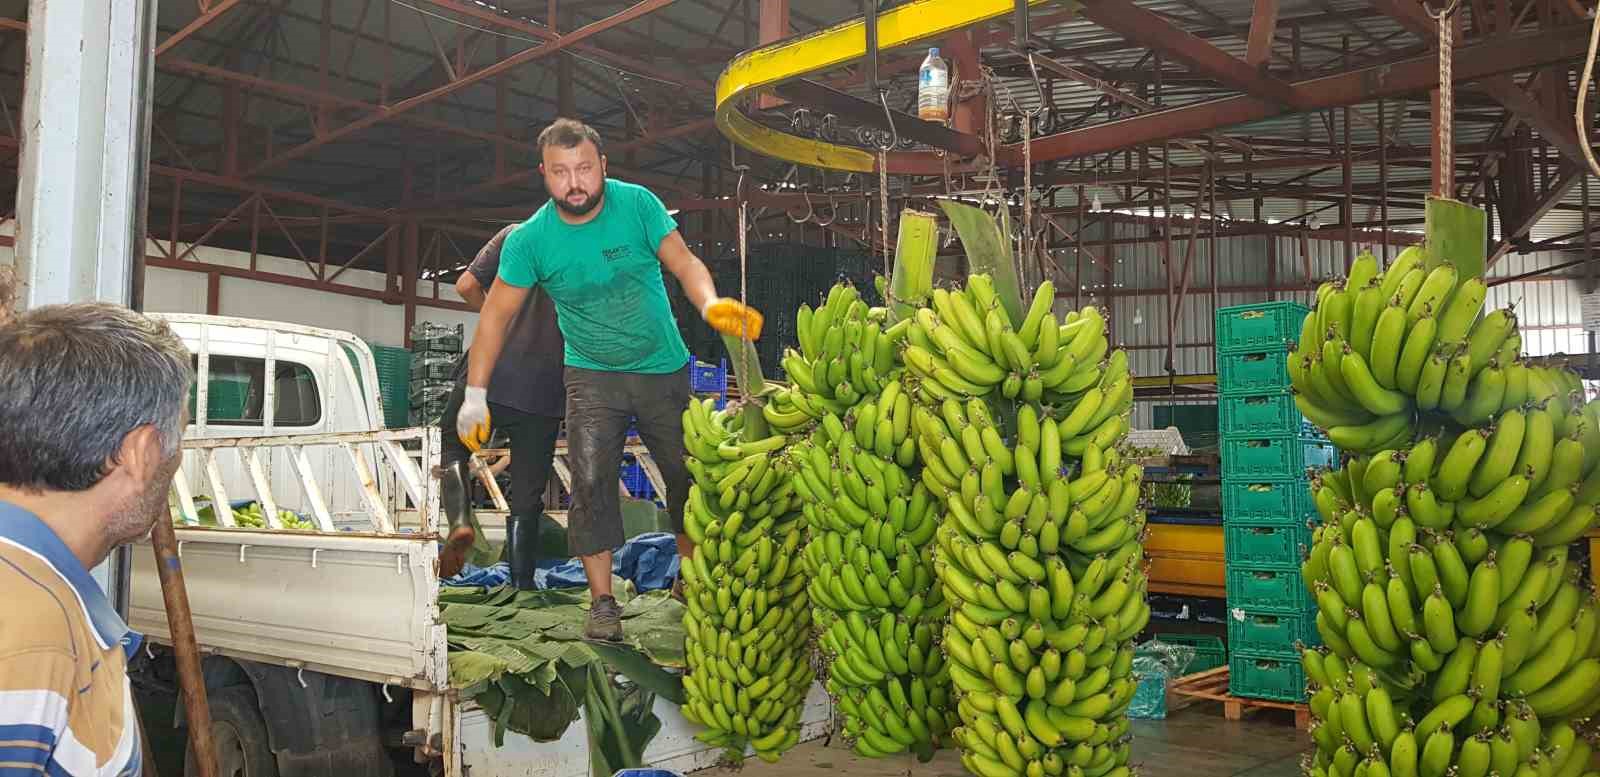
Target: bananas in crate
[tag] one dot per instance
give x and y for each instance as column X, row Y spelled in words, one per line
column 1381, row 347
column 845, row 356
column 1042, row 569
column 870, row 555
column 748, row 620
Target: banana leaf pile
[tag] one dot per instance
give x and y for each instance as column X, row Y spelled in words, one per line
column 521, row 656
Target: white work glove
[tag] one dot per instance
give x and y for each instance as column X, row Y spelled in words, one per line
column 472, row 420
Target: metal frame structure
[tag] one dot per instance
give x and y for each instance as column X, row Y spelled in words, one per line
column 394, row 135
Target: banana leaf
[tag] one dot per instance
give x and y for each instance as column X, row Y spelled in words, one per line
column 1455, row 233
column 915, row 250
column 988, row 246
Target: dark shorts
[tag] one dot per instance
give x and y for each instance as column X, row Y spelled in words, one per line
column 599, row 406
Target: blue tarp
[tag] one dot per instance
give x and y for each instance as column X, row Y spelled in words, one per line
column 649, row 561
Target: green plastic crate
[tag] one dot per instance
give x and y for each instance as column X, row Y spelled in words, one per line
column 1275, row 544
column 1268, row 500
column 1262, row 326
column 1258, row 676
column 394, row 374
column 1253, row 372
column 1275, row 456
column 1261, row 588
column 1209, row 652
column 1254, row 629
column 1263, row 414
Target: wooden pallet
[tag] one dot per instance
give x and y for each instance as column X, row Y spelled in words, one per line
column 1212, row 685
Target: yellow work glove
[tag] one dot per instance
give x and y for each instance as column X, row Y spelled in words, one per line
column 472, row 420
column 732, row 317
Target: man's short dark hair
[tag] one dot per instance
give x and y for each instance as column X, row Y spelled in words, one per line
column 74, row 381
column 569, row 133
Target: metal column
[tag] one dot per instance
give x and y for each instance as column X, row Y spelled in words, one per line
column 85, row 141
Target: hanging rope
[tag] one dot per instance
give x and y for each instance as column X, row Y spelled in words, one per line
column 1444, row 140
column 883, row 209
column 744, row 251
column 1581, row 116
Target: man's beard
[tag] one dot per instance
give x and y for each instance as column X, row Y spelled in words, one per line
column 581, row 210
column 133, row 518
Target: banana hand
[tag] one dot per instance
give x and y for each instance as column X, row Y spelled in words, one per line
column 732, row 317
column 472, row 419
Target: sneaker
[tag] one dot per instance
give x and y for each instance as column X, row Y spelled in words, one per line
column 453, row 556
column 605, row 620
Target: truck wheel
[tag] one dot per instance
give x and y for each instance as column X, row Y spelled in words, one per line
column 239, row 734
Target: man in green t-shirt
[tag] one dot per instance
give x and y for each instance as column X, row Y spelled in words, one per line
column 597, row 248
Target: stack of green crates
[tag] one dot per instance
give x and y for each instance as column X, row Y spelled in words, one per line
column 1267, row 512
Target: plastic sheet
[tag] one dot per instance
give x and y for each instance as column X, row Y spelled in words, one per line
column 1155, row 664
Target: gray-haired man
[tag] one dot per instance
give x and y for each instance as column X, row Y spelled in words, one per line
column 92, row 405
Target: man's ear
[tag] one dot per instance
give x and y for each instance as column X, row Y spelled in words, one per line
column 141, row 452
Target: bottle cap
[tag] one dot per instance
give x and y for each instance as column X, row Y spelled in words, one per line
column 933, row 52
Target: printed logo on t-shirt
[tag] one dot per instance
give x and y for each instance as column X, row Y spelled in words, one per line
column 613, row 254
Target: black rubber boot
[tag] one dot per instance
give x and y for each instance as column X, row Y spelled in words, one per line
column 522, row 549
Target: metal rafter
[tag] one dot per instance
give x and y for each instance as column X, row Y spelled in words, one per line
column 561, row 42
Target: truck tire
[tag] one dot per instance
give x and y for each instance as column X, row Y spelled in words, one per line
column 239, row 734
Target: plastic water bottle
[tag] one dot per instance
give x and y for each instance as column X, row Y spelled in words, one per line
column 933, row 88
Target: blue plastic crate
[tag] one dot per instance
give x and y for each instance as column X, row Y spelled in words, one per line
column 635, row 479
column 708, row 378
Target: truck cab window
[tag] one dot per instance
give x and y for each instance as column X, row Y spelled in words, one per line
column 236, row 390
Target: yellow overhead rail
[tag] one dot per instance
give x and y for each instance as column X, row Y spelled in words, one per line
column 754, row 71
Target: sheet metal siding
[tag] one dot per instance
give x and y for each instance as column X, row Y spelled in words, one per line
column 1548, row 308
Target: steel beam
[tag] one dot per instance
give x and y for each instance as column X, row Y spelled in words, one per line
column 1501, row 86
column 1512, row 233
column 1263, row 23
column 1473, row 62
column 484, row 12
column 1149, row 29
column 527, row 55
column 205, row 18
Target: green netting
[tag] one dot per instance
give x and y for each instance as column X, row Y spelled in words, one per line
column 521, row 656
column 394, row 375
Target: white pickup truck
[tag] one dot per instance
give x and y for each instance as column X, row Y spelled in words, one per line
column 324, row 652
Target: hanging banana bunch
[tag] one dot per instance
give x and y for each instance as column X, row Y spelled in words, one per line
column 748, row 619
column 1382, row 348
column 877, row 609
column 1040, row 555
column 1460, row 639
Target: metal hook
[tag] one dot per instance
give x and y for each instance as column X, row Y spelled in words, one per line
column 894, row 134
column 386, row 696
column 241, row 553
column 833, row 209
column 1038, row 88
column 806, row 194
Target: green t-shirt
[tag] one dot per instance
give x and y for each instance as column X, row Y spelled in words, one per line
column 605, row 278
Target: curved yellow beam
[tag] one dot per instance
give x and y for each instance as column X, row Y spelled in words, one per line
column 753, row 71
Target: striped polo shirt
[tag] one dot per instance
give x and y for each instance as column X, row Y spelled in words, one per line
column 65, row 704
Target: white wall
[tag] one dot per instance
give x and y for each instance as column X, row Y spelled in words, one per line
column 181, row 291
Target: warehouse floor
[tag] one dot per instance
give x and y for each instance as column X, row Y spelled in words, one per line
column 1194, row 742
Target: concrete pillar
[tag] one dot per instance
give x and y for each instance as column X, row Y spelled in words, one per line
column 85, row 143
column 84, row 166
